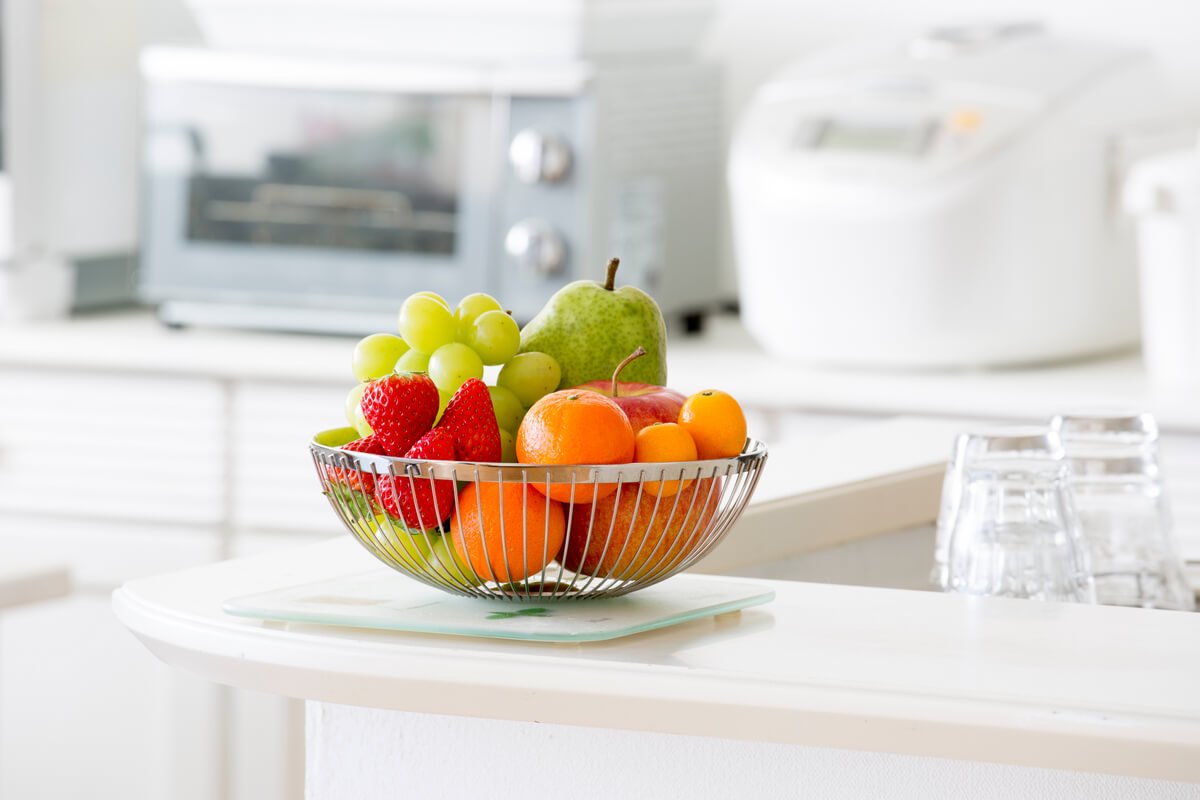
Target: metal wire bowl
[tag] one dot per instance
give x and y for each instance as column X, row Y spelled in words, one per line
column 603, row 554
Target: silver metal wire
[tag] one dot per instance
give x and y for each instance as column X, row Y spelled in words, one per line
column 612, row 545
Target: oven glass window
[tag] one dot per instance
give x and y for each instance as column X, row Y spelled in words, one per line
column 341, row 170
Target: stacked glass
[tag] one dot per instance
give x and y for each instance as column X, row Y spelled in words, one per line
column 1008, row 526
column 1117, row 490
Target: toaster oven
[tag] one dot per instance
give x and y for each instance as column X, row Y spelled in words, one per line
column 314, row 194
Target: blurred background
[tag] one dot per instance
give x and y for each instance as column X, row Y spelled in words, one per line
column 204, row 202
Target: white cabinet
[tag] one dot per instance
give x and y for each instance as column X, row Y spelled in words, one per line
column 93, row 445
column 274, row 485
column 124, row 474
column 83, row 711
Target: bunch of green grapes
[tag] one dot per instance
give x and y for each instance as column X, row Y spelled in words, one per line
column 452, row 346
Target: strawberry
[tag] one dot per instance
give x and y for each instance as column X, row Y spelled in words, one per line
column 471, row 421
column 356, row 480
column 421, row 502
column 400, row 408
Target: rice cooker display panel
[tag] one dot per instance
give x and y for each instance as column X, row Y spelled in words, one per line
column 879, row 136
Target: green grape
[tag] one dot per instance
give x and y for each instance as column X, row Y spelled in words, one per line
column 451, row 364
column 445, row 563
column 530, row 376
column 495, row 336
column 413, row 361
column 425, row 323
column 360, row 423
column 410, row 546
column 508, row 447
column 353, row 398
column 443, row 401
column 376, row 355
column 468, row 309
column 435, row 296
column 336, row 437
column 507, row 407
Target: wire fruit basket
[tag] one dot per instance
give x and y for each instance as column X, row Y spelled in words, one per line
column 502, row 538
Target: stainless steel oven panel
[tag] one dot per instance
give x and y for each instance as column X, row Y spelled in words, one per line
column 221, row 136
column 560, row 204
column 558, row 167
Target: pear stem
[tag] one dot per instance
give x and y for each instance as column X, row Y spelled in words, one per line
column 611, row 274
column 641, row 351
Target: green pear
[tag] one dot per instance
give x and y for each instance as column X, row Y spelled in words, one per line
column 589, row 328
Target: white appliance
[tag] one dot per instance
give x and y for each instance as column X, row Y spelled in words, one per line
column 1163, row 194
column 470, row 30
column 946, row 201
column 314, row 193
column 68, row 157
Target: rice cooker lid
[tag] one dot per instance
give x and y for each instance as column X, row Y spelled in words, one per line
column 1018, row 59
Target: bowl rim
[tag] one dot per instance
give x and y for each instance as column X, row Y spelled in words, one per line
column 633, row 472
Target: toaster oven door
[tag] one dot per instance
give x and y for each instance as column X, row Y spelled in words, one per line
column 313, row 198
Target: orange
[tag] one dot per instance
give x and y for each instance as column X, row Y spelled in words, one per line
column 506, row 531
column 715, row 422
column 573, row 426
column 664, row 441
column 631, row 535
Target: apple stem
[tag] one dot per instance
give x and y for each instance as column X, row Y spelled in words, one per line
column 641, row 351
column 611, row 274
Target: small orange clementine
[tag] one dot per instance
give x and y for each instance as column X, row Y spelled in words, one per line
column 664, row 441
column 716, row 423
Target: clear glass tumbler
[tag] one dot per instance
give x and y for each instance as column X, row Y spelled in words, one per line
column 1117, row 490
column 995, row 441
column 1016, row 533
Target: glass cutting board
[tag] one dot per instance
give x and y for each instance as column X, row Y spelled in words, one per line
column 383, row 599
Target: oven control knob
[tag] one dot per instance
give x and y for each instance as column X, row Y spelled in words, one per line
column 539, row 157
column 536, row 246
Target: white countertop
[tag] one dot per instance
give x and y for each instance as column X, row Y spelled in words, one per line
column 24, row 579
column 724, row 355
column 1088, row 688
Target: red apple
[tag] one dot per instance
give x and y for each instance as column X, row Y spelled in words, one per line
column 633, row 538
column 643, row 403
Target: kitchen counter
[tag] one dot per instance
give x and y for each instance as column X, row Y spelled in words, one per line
column 1069, row 687
column 25, row 579
column 724, row 354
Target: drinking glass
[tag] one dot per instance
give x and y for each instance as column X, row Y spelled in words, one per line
column 994, row 441
column 1015, row 533
column 1117, row 490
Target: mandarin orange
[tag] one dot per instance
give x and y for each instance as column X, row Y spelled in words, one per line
column 716, row 424
column 506, row 531
column 575, row 427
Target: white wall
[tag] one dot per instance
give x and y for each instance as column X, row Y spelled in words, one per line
column 754, row 38
column 88, row 123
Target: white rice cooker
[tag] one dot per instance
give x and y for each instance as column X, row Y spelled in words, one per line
column 947, row 201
